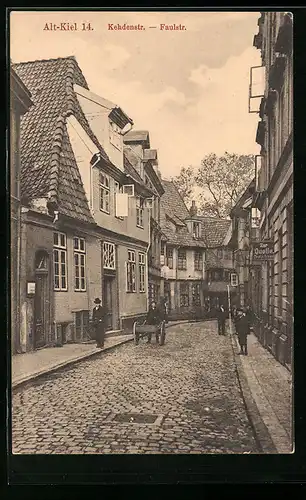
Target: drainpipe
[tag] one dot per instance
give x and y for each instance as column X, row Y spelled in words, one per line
column 147, row 251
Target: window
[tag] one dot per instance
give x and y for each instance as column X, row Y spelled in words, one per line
column 115, row 136
column 109, row 256
column 170, row 258
column 118, row 189
column 139, row 211
column 196, row 230
column 198, row 261
column 131, row 272
column 79, row 264
column 60, row 261
column 104, row 192
column 196, row 299
column 184, row 295
column 142, row 268
column 182, row 264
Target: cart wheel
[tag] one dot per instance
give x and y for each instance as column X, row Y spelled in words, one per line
column 162, row 333
column 136, row 335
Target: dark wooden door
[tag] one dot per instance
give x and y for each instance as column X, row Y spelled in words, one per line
column 108, row 300
column 41, row 304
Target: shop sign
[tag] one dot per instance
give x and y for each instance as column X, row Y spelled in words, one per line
column 263, row 251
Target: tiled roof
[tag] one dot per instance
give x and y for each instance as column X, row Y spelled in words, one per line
column 214, row 230
column 173, row 209
column 48, row 165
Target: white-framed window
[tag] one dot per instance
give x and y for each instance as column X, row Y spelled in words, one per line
column 118, row 190
column 109, row 255
column 129, row 189
column 169, row 255
column 139, row 211
column 142, row 271
column 181, row 259
column 115, row 136
column 79, row 251
column 198, row 261
column 104, row 187
column 60, row 261
column 131, row 272
column 196, row 230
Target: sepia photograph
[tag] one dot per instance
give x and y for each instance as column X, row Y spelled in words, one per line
column 151, row 221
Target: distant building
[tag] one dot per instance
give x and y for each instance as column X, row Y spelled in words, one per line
column 196, row 264
column 274, row 184
column 20, row 103
column 84, row 234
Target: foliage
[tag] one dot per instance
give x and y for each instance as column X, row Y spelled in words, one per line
column 221, row 180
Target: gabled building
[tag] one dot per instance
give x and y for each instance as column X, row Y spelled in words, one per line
column 196, row 263
column 145, row 161
column 81, row 236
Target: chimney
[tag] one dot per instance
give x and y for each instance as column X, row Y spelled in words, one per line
column 193, row 209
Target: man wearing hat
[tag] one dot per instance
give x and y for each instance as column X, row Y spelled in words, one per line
column 98, row 319
column 242, row 330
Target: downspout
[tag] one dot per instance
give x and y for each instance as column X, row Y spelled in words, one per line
column 147, row 251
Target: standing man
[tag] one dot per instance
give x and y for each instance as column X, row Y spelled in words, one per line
column 153, row 318
column 242, row 330
column 99, row 318
column 221, row 316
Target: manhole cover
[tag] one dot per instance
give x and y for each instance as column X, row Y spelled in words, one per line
column 136, row 418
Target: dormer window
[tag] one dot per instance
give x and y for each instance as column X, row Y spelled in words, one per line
column 115, row 136
column 196, row 229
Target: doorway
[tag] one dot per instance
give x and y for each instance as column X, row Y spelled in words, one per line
column 108, row 301
column 41, row 300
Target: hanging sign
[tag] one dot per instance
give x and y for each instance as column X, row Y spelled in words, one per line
column 263, row 251
column 234, row 279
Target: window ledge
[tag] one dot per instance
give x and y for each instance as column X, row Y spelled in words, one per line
column 104, row 211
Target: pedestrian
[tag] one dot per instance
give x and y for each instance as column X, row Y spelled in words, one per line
column 153, row 318
column 99, row 320
column 221, row 316
column 242, row 330
column 163, row 310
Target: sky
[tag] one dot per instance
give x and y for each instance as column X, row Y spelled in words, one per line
column 188, row 88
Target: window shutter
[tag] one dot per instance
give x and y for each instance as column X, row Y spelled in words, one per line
column 122, row 204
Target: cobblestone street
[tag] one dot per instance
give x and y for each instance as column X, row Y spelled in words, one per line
column 186, row 391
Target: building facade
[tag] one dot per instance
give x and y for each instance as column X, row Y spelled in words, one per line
column 20, row 103
column 145, row 161
column 196, row 264
column 274, row 184
column 84, row 233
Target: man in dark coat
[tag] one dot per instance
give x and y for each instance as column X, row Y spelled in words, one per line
column 242, row 330
column 221, row 317
column 99, row 320
column 153, row 318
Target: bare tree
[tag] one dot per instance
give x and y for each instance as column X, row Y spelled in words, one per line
column 185, row 183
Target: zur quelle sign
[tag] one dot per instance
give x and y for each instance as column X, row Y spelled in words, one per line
column 262, row 251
